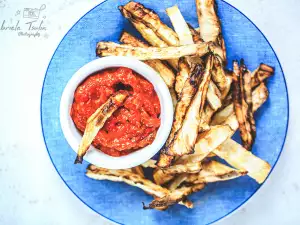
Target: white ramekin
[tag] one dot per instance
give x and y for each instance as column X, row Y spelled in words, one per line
column 94, row 156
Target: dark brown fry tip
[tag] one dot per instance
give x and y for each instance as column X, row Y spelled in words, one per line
column 78, row 160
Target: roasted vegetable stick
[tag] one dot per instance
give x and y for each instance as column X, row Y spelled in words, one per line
column 130, row 178
column 148, row 34
column 220, row 78
column 174, row 197
column 209, row 140
column 246, row 82
column 185, row 98
column 244, row 114
column 213, row 171
column 160, row 177
column 237, row 156
column 97, row 120
column 259, row 96
column 165, row 72
column 138, row 170
column 263, row 72
column 152, row 20
column 186, row 136
column 206, row 118
column 111, row 48
column 149, row 164
column 178, row 181
column 195, row 34
column 182, row 75
column 209, row 23
column 213, row 96
column 193, row 167
column 180, row 26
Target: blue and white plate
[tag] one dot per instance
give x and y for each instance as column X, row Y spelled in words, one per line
column 120, row 202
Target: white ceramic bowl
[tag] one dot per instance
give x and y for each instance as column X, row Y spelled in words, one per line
column 94, row 156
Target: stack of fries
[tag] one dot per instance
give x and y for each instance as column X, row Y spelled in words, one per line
column 211, row 103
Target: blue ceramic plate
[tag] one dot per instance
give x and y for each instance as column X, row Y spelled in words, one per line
column 122, row 203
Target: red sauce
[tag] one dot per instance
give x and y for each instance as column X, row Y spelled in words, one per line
column 134, row 125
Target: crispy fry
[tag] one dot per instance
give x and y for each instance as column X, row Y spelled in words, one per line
column 182, row 75
column 206, row 118
column 244, row 114
column 195, row 34
column 210, row 26
column 263, row 72
column 209, row 140
column 97, row 120
column 166, row 73
column 111, row 48
column 130, row 178
column 213, row 96
column 188, row 91
column 160, row 177
column 220, row 78
column 178, row 181
column 237, row 156
column 194, row 167
column 174, row 197
column 138, row 170
column 148, row 34
column 185, row 138
column 164, row 159
column 246, row 82
column 214, row 171
column 222, row 115
column 259, row 96
column 180, row 26
column 152, row 20
column 149, row 164
column 174, row 97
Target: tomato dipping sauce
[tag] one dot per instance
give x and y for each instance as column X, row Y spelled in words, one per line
column 134, row 125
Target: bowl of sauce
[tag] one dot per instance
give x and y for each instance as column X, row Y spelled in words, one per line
column 137, row 130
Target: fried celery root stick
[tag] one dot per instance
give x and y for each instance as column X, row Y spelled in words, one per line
column 151, row 163
column 182, row 74
column 111, row 48
column 263, row 72
column 188, row 91
column 166, row 73
column 238, row 157
column 180, row 26
column 152, row 20
column 220, row 78
column 259, row 96
column 185, row 138
column 209, row 23
column 132, row 179
column 242, row 100
column 177, row 181
column 193, row 167
column 214, row 171
column 213, row 96
column 195, row 34
column 185, row 98
column 148, row 34
column 97, row 120
column 138, row 170
column 174, row 197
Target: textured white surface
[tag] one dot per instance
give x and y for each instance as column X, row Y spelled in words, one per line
column 31, row 191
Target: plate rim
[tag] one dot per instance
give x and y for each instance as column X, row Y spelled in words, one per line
column 243, row 202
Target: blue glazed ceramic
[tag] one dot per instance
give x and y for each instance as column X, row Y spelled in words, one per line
column 122, row 203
